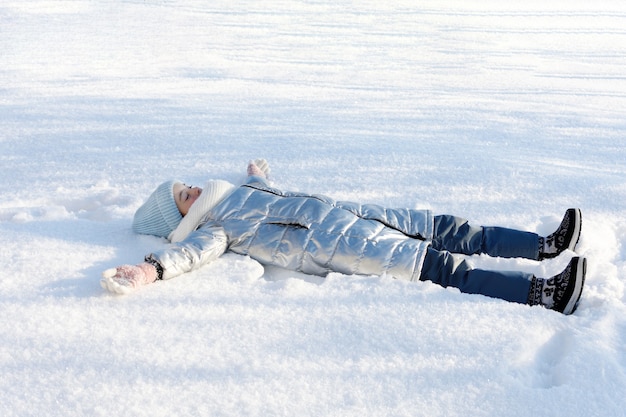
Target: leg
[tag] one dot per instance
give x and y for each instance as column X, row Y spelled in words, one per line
column 445, row 269
column 454, row 234
column 560, row 293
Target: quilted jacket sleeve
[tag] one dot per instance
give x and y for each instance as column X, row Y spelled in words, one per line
column 256, row 180
column 199, row 248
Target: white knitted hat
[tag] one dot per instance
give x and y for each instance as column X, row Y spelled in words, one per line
column 159, row 215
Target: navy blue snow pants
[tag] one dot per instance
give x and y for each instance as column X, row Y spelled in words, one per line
column 454, row 235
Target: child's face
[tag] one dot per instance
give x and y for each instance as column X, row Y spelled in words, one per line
column 185, row 195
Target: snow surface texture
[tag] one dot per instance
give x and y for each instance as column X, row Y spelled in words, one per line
column 506, row 113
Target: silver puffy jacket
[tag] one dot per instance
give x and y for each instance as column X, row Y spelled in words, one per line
column 312, row 234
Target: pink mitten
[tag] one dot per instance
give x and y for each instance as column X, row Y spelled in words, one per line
column 126, row 278
column 259, row 167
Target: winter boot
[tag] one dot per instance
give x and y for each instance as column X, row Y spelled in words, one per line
column 565, row 237
column 561, row 292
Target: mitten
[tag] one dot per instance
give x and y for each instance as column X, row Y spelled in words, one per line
column 127, row 278
column 259, row 167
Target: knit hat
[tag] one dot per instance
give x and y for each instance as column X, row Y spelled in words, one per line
column 159, row 215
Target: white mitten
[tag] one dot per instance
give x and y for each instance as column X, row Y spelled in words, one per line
column 259, row 167
column 127, row 278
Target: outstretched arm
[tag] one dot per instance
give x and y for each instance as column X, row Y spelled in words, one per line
column 199, row 248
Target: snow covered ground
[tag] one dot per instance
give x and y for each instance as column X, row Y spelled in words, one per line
column 506, row 113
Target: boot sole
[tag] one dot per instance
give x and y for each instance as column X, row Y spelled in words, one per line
column 580, row 271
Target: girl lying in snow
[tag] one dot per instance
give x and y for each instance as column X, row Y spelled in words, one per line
column 316, row 235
